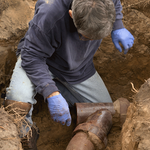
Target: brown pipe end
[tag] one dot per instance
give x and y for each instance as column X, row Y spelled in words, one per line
column 80, row 142
column 121, row 106
column 97, row 127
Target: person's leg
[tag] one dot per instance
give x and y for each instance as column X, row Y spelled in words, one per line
column 20, row 96
column 21, row 89
column 71, row 95
column 93, row 90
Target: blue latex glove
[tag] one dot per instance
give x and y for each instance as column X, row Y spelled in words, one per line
column 59, row 109
column 124, row 37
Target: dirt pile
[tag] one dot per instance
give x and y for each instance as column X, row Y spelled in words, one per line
column 9, row 139
column 135, row 132
column 14, row 19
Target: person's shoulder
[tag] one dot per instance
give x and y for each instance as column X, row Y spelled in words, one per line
column 48, row 12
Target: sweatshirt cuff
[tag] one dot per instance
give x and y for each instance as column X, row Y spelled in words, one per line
column 118, row 24
column 49, row 89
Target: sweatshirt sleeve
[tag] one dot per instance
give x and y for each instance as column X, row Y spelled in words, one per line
column 36, row 49
column 118, row 24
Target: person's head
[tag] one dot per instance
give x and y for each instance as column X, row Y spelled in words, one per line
column 93, row 18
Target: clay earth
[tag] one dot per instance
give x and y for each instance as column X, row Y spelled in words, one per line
column 124, row 75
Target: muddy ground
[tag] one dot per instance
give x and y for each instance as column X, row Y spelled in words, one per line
column 117, row 70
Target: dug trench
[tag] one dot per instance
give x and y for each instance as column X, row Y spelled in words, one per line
column 124, row 75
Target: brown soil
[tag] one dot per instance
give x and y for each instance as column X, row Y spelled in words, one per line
column 135, row 132
column 9, row 139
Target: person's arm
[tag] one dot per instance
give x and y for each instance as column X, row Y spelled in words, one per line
column 40, row 43
column 118, row 24
column 119, row 33
column 37, row 48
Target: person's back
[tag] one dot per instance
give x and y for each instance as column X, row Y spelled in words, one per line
column 54, row 34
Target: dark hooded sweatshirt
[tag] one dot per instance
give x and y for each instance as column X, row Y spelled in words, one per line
column 52, row 44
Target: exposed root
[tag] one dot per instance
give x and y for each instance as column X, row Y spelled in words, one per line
column 2, row 127
column 31, row 7
column 133, row 88
column 18, row 115
column 10, row 138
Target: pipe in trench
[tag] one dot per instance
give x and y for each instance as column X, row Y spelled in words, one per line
column 80, row 142
column 83, row 110
column 92, row 134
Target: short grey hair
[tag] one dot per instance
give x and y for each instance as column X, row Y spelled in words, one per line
column 93, row 18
